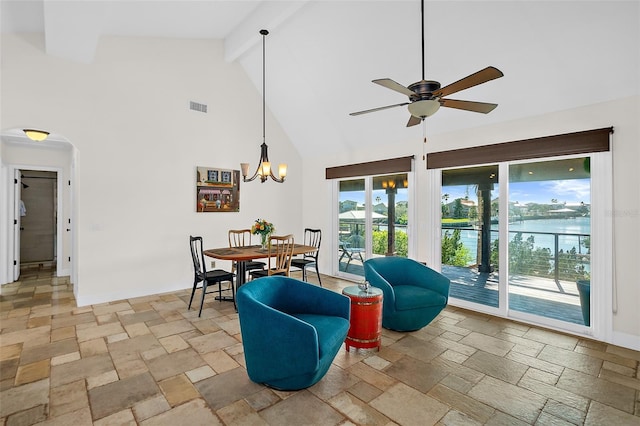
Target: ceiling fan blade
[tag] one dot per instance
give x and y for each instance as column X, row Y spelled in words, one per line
column 413, row 120
column 390, row 84
column 479, row 77
column 366, row 111
column 468, row 105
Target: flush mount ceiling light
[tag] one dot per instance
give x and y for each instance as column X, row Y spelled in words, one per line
column 264, row 165
column 36, row 135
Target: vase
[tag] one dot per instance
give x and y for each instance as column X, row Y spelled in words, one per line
column 264, row 240
column 364, row 286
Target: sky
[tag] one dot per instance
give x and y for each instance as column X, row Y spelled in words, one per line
column 572, row 191
column 358, row 196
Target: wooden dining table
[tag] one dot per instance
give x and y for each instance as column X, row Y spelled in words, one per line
column 241, row 255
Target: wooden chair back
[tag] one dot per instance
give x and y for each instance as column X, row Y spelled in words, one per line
column 280, row 254
column 239, row 237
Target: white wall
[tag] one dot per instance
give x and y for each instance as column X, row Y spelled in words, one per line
column 621, row 114
column 138, row 145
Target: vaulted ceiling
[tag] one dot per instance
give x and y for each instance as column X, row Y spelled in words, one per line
column 322, row 55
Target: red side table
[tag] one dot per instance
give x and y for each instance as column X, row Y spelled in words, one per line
column 366, row 318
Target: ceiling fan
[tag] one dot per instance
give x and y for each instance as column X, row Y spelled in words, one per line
column 427, row 96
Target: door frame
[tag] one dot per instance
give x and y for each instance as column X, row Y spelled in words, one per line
column 14, row 239
column 368, row 204
column 602, row 272
column 17, row 221
column 335, row 264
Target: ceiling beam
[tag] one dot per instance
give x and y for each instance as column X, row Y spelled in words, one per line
column 72, row 29
column 268, row 15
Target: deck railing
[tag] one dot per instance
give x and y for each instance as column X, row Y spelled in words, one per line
column 562, row 263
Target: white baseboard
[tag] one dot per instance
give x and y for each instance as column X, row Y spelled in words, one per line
column 95, row 299
column 626, row 340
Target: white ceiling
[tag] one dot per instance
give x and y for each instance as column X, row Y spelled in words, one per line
column 322, row 55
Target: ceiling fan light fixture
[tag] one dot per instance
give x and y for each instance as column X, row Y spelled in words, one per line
column 424, row 108
column 36, row 135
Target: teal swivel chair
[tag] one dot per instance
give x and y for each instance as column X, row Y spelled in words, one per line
column 291, row 330
column 413, row 294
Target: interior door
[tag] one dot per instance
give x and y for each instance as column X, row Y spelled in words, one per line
column 38, row 230
column 17, row 187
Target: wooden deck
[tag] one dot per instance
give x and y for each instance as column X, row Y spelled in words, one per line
column 540, row 296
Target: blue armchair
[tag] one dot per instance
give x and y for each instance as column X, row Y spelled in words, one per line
column 413, row 293
column 291, row 330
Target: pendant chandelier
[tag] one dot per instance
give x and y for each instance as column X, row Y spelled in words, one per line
column 264, row 165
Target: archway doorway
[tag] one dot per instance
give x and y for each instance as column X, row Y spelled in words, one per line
column 52, row 161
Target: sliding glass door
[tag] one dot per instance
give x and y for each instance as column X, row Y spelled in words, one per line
column 390, row 215
column 469, row 255
column 525, row 251
column 352, row 226
column 373, row 219
column 549, row 238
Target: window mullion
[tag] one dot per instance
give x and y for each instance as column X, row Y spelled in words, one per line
column 368, row 185
column 503, row 235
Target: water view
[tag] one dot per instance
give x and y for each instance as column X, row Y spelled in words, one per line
column 571, row 234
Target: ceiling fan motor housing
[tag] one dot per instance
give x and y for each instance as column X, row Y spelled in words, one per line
column 423, row 90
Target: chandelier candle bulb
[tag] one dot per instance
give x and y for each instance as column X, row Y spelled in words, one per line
column 245, row 169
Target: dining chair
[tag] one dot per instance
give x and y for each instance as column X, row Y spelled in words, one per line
column 312, row 237
column 213, row 277
column 242, row 238
column 280, row 254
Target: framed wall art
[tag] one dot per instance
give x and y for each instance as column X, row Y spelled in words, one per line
column 217, row 190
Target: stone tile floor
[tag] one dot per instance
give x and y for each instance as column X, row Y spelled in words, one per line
column 150, row 361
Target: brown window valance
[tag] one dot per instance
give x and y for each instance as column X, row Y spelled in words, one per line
column 393, row 165
column 549, row 146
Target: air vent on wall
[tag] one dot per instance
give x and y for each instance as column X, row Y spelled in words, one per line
column 195, row 106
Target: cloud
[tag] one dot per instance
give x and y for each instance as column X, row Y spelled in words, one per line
column 570, row 190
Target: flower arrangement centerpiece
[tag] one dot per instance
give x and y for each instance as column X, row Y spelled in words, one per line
column 264, row 229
